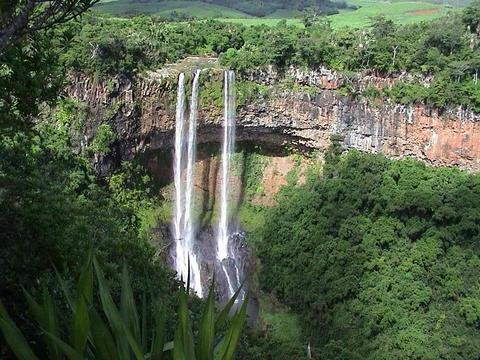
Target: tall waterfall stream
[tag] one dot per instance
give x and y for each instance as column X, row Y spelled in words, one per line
column 227, row 263
column 184, row 228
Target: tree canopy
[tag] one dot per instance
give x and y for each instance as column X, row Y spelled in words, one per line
column 22, row 17
column 380, row 258
column 441, row 57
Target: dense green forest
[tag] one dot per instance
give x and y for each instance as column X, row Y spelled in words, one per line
column 443, row 52
column 380, row 258
column 56, row 213
column 53, row 209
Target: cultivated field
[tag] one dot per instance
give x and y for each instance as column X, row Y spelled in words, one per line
column 402, row 12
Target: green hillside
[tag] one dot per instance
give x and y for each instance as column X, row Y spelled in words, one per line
column 219, row 8
column 401, row 12
column 404, row 12
column 166, row 8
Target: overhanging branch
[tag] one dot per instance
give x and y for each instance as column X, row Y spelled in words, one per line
column 29, row 16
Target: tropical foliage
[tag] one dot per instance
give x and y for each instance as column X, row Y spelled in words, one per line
column 18, row 17
column 441, row 56
column 381, row 259
column 52, row 206
column 124, row 331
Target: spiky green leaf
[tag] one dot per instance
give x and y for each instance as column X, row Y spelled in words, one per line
column 85, row 283
column 226, row 348
column 104, row 345
column 66, row 291
column 121, row 332
column 183, row 347
column 14, row 337
column 66, row 349
column 51, row 324
column 128, row 307
column 158, row 342
column 206, row 335
column 43, row 315
column 35, row 309
column 80, row 325
column 223, row 315
column 144, row 322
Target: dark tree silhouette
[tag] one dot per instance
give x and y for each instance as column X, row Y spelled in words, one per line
column 21, row 17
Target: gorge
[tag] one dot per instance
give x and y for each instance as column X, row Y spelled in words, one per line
column 330, row 173
column 303, row 117
column 300, row 110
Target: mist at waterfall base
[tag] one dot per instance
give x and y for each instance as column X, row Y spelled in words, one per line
column 209, row 252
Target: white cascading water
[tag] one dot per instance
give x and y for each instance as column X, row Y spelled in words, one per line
column 223, row 235
column 180, row 262
column 184, row 226
column 190, row 195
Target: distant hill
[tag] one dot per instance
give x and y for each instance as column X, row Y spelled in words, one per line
column 358, row 13
column 217, row 8
column 267, row 7
column 174, row 9
column 451, row 2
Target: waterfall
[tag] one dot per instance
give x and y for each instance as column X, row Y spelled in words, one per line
column 180, row 261
column 190, row 195
column 227, row 256
column 184, row 226
column 223, row 236
column 227, row 150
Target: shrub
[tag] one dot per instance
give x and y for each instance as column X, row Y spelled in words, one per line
column 123, row 331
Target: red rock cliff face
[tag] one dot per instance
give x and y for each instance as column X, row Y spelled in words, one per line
column 142, row 113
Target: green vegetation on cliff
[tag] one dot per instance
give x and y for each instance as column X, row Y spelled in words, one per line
column 439, row 60
column 52, row 206
column 377, row 259
column 380, row 258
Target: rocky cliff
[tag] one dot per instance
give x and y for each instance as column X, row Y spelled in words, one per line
column 142, row 114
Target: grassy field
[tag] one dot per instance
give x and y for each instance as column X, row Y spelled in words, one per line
column 402, row 12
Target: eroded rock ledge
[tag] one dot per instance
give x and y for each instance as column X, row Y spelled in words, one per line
column 143, row 116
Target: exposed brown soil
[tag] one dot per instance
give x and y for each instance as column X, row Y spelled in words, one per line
column 422, row 12
column 275, row 176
